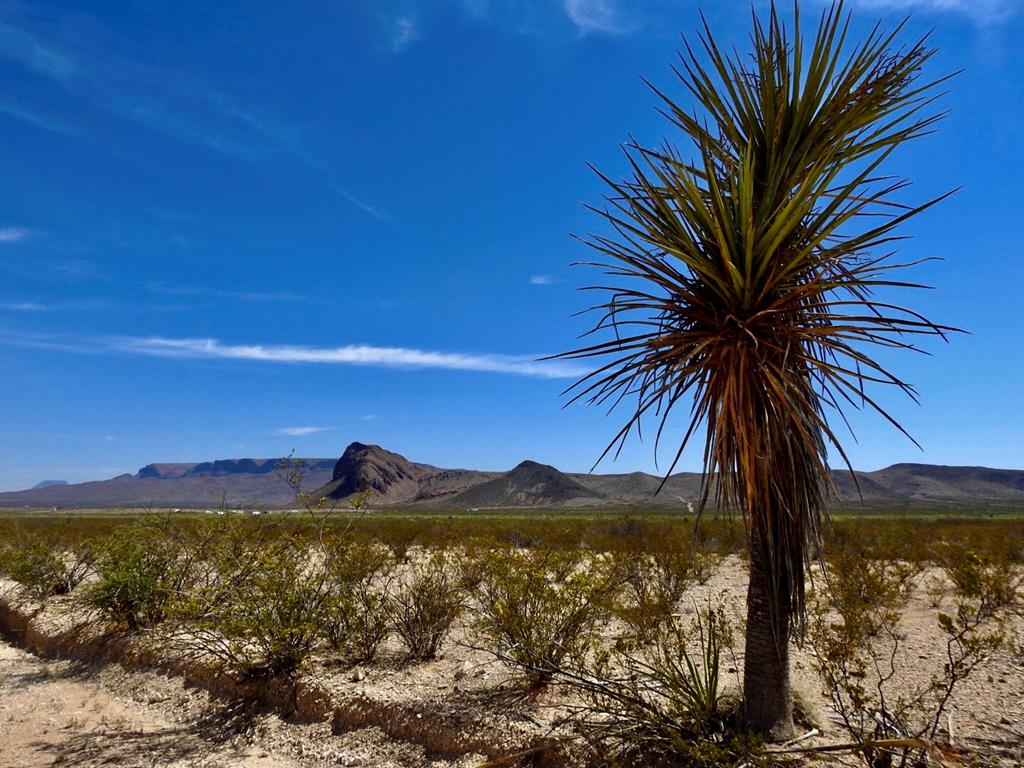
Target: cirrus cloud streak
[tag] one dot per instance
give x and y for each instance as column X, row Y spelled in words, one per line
column 300, row 431
column 352, row 354
column 14, row 234
column 982, row 12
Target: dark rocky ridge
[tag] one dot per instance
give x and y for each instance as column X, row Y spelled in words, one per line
column 529, row 484
column 395, row 481
column 389, row 477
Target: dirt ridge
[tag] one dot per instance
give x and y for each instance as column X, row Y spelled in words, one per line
column 441, row 733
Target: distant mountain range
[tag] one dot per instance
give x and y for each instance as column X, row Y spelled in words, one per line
column 48, row 483
column 236, row 482
column 393, row 480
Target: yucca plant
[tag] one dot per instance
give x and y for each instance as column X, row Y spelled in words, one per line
column 750, row 280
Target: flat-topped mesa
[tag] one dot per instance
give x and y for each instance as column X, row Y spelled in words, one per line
column 165, row 470
column 258, row 466
column 223, row 467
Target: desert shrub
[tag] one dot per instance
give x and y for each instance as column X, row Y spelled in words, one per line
column 158, row 559
column 857, row 644
column 522, row 539
column 540, row 608
column 356, row 619
column 703, row 567
column 42, row 569
column 79, row 562
column 858, row 584
column 139, row 571
column 263, row 617
column 357, row 622
column 401, row 540
column 935, row 590
column 983, row 577
column 425, row 601
column 474, row 562
column 46, row 561
column 653, row 583
column 223, row 553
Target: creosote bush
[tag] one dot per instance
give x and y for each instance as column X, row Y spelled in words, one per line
column 539, row 609
column 139, row 571
column 260, row 611
column 261, row 596
column 653, row 584
column 356, row 619
column 44, row 569
column 425, row 602
column 858, row 645
column 979, row 576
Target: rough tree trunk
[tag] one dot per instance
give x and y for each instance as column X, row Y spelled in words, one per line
column 767, row 695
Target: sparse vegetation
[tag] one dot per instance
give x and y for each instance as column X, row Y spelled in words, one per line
column 663, row 704
column 653, row 584
column 262, row 617
column 139, row 572
column 540, row 608
column 624, row 630
column 357, row 619
column 424, row 606
column 859, row 646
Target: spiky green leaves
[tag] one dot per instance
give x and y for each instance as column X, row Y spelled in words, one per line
column 745, row 279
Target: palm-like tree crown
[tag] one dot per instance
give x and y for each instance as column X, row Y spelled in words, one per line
column 745, row 280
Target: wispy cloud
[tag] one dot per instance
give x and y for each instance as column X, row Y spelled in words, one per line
column 260, row 297
column 161, row 101
column 86, row 304
column 36, row 119
column 364, row 355
column 353, row 354
column 365, row 207
column 982, row 12
column 15, row 234
column 35, row 55
column 256, row 297
column 403, row 33
column 157, row 100
column 76, row 269
column 32, row 340
column 300, row 431
column 599, row 16
column 543, row 280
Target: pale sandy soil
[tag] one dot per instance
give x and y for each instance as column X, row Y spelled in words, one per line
column 64, row 713
column 57, row 713
column 440, row 714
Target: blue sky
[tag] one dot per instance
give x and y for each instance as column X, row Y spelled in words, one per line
column 233, row 229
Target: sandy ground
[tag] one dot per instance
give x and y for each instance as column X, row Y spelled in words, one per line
column 58, row 712
column 66, row 713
